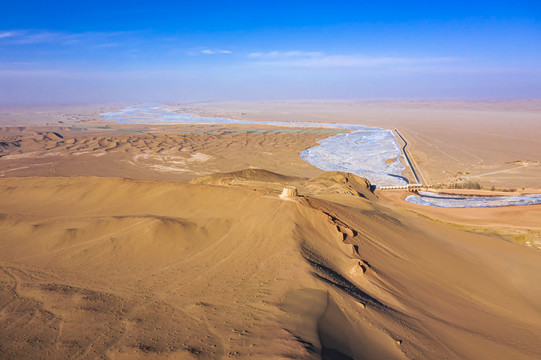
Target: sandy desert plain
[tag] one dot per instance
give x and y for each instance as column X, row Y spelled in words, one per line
column 124, row 241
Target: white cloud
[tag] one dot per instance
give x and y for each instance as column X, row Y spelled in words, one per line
column 285, row 54
column 7, row 34
column 319, row 59
column 215, row 51
column 28, row 37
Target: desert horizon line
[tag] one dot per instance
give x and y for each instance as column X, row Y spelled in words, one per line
column 248, row 100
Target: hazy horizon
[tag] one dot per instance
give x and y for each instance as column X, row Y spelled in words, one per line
column 135, row 52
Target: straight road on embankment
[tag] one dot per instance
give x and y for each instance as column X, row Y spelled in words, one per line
column 409, row 160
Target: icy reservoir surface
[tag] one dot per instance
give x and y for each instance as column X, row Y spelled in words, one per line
column 372, row 153
column 361, row 152
column 460, row 201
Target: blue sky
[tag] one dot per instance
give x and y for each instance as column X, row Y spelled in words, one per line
column 89, row 51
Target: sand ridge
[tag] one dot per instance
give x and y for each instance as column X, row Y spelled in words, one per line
column 203, row 271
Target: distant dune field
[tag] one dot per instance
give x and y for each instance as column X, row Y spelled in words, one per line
column 176, row 153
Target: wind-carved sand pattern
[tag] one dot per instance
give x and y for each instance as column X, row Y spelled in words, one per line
column 461, row 201
column 365, row 151
column 168, row 161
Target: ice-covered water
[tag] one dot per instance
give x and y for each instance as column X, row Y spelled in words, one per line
column 372, row 153
column 460, row 201
column 361, row 152
column 149, row 113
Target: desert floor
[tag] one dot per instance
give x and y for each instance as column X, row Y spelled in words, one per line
column 148, row 241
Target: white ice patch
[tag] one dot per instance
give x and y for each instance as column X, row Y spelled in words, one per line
column 361, row 152
column 145, row 114
column 199, row 157
column 461, row 201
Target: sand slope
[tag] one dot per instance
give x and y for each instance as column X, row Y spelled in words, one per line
column 107, row 267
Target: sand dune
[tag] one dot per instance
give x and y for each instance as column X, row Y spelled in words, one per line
column 334, row 182
column 245, row 177
column 108, row 267
column 174, row 153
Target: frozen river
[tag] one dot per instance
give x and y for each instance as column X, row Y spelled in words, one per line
column 460, row 201
column 372, row 153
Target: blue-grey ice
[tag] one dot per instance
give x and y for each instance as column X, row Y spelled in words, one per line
column 149, row 114
column 361, row 152
column 460, row 201
column 372, row 153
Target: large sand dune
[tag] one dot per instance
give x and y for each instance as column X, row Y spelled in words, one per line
column 115, row 268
